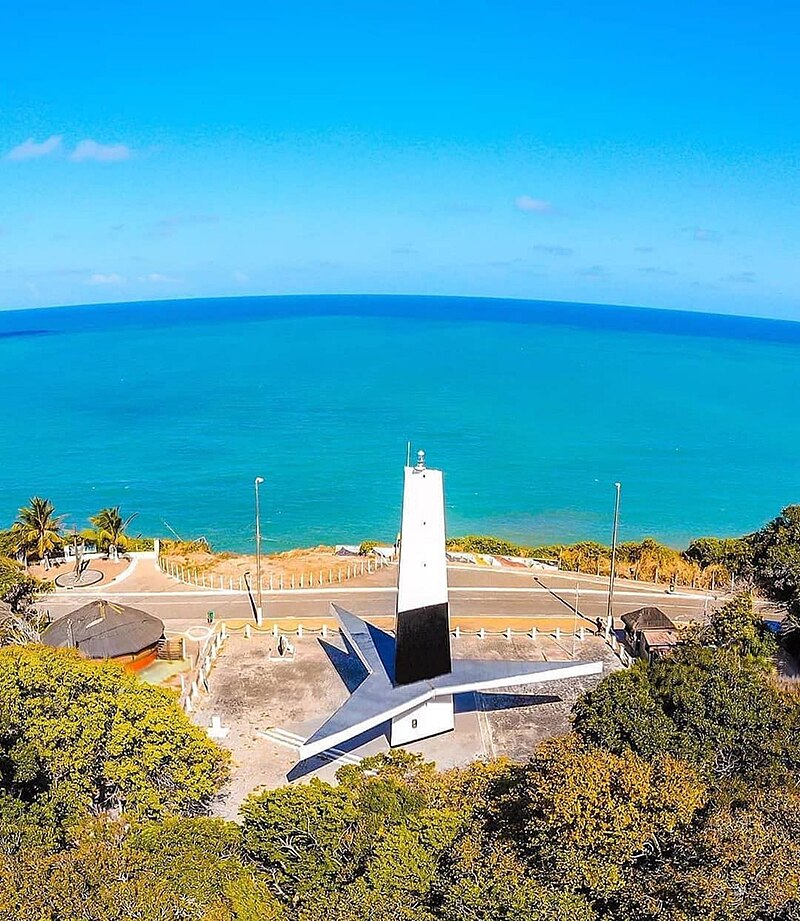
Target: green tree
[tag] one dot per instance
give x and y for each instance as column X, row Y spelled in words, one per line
column 110, row 529
column 727, row 557
column 737, row 862
column 37, row 530
column 122, row 870
column 577, row 814
column 78, row 737
column 711, row 707
column 776, row 554
column 737, row 625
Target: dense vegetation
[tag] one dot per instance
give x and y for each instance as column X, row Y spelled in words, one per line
column 674, row 797
column 768, row 559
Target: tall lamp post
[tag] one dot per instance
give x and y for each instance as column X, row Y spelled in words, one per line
column 259, row 604
column 612, row 574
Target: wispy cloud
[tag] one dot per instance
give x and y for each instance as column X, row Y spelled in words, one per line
column 99, row 278
column 533, row 205
column 30, row 150
column 553, row 250
column 704, row 235
column 644, row 249
column 102, row 153
column 240, row 277
column 593, row 271
column 656, row 270
column 159, row 278
column 745, row 278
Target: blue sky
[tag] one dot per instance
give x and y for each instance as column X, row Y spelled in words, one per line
column 626, row 153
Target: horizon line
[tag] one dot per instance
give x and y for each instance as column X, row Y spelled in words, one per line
column 678, row 311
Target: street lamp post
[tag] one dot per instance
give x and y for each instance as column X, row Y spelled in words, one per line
column 259, row 604
column 612, row 574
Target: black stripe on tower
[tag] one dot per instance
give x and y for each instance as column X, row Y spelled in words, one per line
column 423, row 644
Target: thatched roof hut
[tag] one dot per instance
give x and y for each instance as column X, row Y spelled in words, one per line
column 649, row 618
column 649, row 632
column 104, row 630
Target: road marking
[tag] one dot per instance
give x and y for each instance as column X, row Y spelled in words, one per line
column 485, row 729
column 294, row 741
column 383, row 590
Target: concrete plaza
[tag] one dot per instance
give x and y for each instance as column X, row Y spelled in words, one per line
column 269, row 704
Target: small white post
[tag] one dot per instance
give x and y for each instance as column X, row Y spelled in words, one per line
column 270, row 581
column 300, row 631
column 508, row 633
column 481, row 634
column 533, row 633
column 457, row 631
column 275, row 630
column 324, row 631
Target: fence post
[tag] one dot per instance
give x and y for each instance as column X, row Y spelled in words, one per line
column 301, row 580
column 508, row 633
column 292, row 580
column 270, row 581
column 481, row 633
column 340, row 573
column 324, row 631
column 281, row 581
column 558, row 633
column 300, row 631
column 457, row 631
column 275, row 630
column 533, row 632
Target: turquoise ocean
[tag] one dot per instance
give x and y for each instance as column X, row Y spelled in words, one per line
column 533, row 410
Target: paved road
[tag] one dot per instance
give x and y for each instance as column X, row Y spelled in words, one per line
column 473, row 594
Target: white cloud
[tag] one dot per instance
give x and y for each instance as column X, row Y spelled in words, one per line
column 241, row 277
column 553, row 250
column 158, row 278
column 102, row 153
column 30, row 150
column 533, row 205
column 704, row 235
column 747, row 278
column 98, row 278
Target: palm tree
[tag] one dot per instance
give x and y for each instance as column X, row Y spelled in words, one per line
column 37, row 530
column 110, row 527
